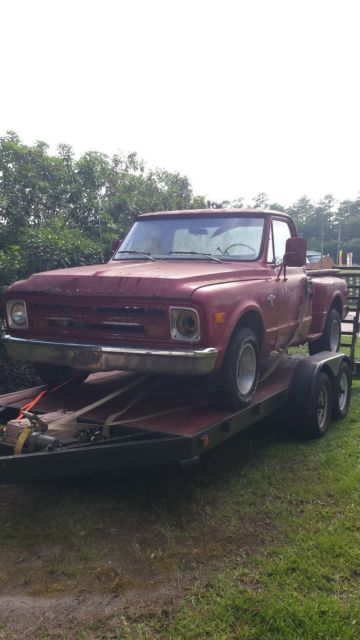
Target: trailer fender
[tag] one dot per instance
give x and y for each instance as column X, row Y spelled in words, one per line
column 302, row 392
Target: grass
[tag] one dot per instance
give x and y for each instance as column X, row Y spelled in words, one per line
column 260, row 542
column 303, row 580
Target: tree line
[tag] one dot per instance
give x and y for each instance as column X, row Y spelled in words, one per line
column 58, row 211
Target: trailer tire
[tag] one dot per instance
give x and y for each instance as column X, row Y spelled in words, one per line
column 238, row 377
column 342, row 394
column 330, row 339
column 319, row 418
column 54, row 375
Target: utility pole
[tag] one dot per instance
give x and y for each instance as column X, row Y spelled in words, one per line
column 100, row 228
column 322, row 237
column 338, row 245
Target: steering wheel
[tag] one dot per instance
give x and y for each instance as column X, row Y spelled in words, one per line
column 238, row 244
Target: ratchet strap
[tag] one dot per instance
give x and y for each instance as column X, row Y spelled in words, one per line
column 28, row 429
column 30, row 405
column 20, row 442
column 69, row 422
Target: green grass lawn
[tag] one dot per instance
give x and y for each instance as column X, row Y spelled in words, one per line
column 298, row 574
column 302, row 581
column 261, row 541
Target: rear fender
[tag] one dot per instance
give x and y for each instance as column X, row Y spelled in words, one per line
column 322, row 303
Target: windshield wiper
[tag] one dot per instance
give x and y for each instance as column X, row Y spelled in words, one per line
column 197, row 253
column 141, row 253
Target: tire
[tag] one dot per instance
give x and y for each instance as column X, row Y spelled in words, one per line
column 318, row 421
column 330, row 339
column 238, row 377
column 342, row 394
column 54, row 375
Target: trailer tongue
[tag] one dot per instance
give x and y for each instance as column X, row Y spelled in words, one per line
column 121, row 420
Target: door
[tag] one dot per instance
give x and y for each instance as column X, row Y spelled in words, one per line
column 294, row 298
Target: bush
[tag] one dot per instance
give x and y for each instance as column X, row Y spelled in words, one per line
column 44, row 248
column 11, row 264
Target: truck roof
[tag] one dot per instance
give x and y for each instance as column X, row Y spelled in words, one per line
column 211, row 212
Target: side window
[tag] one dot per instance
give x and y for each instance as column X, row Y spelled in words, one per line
column 281, row 232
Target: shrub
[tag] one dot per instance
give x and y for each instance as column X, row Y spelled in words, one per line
column 53, row 246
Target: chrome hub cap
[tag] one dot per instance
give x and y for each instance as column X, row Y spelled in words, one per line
column 334, row 336
column 246, row 369
column 322, row 407
column 343, row 391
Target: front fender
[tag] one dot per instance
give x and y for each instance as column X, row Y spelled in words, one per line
column 223, row 311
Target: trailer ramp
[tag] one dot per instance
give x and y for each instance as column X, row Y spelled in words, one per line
column 351, row 324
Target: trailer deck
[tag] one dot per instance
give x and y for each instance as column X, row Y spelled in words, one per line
column 120, row 420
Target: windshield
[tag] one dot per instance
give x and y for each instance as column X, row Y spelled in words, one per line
column 214, row 237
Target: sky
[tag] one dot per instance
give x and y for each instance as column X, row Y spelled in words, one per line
column 242, row 96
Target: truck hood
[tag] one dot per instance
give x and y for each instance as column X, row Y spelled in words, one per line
column 162, row 279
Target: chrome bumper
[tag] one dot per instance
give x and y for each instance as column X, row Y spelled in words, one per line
column 87, row 357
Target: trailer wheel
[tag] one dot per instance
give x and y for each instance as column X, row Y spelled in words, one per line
column 342, row 393
column 330, row 339
column 321, row 408
column 54, row 375
column 238, row 377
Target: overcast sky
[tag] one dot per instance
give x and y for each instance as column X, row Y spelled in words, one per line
column 242, row 96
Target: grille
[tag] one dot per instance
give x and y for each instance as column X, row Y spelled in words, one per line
column 124, row 327
column 87, row 321
column 151, row 312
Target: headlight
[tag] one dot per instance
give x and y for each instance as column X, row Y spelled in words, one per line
column 16, row 313
column 184, row 324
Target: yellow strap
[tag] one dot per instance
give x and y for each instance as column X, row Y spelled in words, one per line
column 22, row 439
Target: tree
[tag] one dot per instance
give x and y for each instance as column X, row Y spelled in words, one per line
column 302, row 211
column 32, row 186
column 261, row 201
column 95, row 196
column 51, row 246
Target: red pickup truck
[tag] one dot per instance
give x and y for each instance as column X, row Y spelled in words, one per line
column 186, row 292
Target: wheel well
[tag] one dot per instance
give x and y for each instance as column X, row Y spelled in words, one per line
column 326, row 369
column 337, row 304
column 252, row 320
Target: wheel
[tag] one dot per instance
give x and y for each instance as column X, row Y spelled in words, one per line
column 342, row 393
column 238, row 244
column 330, row 339
column 53, row 375
column 239, row 374
column 317, row 422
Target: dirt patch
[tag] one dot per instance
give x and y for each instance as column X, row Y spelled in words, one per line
column 24, row 616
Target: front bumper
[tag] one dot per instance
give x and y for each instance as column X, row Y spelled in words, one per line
column 86, row 357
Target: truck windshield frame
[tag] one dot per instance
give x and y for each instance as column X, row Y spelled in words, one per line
column 225, row 238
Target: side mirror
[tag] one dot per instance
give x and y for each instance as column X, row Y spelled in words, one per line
column 295, row 252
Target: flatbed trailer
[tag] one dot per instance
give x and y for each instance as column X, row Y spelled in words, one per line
column 119, row 420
